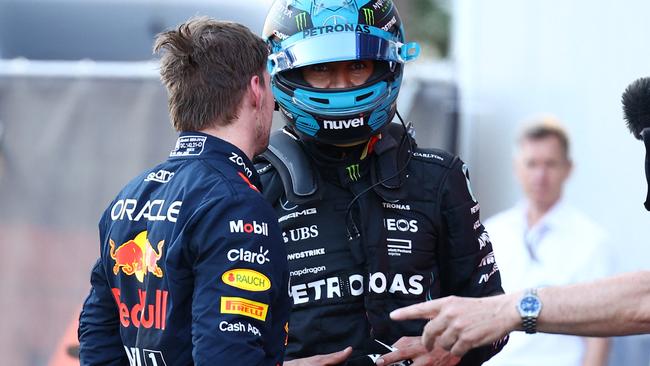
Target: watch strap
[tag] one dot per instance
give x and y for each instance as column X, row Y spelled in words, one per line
column 529, row 323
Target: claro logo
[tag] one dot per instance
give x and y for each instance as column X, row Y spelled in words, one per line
column 249, row 256
column 343, row 124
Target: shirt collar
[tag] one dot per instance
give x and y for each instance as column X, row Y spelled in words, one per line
column 198, row 145
column 552, row 218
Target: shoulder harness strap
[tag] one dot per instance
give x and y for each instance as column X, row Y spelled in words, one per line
column 294, row 167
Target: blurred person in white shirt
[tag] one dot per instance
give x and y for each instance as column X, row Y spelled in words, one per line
column 543, row 241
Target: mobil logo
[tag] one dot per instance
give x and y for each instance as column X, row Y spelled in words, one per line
column 239, row 226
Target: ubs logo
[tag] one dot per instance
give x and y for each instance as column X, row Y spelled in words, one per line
column 300, row 233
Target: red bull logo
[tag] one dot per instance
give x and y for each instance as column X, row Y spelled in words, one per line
column 137, row 257
column 143, row 314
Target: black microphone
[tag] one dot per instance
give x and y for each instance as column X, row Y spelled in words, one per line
column 636, row 110
column 636, row 106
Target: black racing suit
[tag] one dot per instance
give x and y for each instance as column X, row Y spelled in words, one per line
column 420, row 238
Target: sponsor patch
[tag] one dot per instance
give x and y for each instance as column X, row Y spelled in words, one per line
column 397, row 247
column 428, row 156
column 245, row 307
column 488, row 259
column 486, row 276
column 254, row 227
column 189, row 146
column 143, row 314
column 483, row 240
column 301, row 233
column 246, row 279
column 391, row 23
column 240, row 254
column 293, row 215
column 356, row 285
column 402, row 225
column 161, row 176
column 225, row 326
column 154, row 210
column 304, row 271
column 306, row 254
column 396, row 206
column 239, row 161
column 137, row 257
column 141, row 356
column 343, row 124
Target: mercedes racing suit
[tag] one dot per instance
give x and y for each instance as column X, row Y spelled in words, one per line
column 191, row 268
column 419, row 238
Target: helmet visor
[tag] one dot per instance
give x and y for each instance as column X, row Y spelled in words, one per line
column 340, row 46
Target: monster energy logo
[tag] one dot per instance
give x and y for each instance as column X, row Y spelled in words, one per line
column 354, row 172
column 369, row 15
column 301, row 21
column 382, row 5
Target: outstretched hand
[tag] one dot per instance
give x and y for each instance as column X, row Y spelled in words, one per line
column 459, row 324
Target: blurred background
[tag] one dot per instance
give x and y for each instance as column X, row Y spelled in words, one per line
column 82, row 111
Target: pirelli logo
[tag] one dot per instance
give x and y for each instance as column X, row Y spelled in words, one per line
column 245, row 307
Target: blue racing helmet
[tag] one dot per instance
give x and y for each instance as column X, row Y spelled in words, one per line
column 307, row 32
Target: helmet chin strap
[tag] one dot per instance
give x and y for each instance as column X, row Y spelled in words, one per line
column 646, row 140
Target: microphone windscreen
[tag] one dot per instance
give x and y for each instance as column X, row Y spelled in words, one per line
column 636, row 106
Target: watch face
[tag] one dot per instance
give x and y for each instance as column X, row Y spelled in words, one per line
column 529, row 305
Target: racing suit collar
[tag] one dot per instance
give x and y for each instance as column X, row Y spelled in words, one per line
column 341, row 165
column 198, row 145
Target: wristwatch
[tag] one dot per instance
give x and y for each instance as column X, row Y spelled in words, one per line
column 529, row 308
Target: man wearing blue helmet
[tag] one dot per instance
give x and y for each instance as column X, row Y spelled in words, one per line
column 371, row 222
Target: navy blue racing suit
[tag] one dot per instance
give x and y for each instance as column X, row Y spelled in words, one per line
column 192, row 268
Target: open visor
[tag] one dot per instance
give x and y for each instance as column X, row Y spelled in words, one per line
column 341, row 46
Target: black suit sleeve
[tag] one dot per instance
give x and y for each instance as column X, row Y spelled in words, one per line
column 468, row 265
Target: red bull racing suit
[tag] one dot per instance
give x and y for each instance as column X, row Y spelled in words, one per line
column 416, row 235
column 192, row 270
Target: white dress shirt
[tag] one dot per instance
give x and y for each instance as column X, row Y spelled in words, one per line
column 563, row 247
